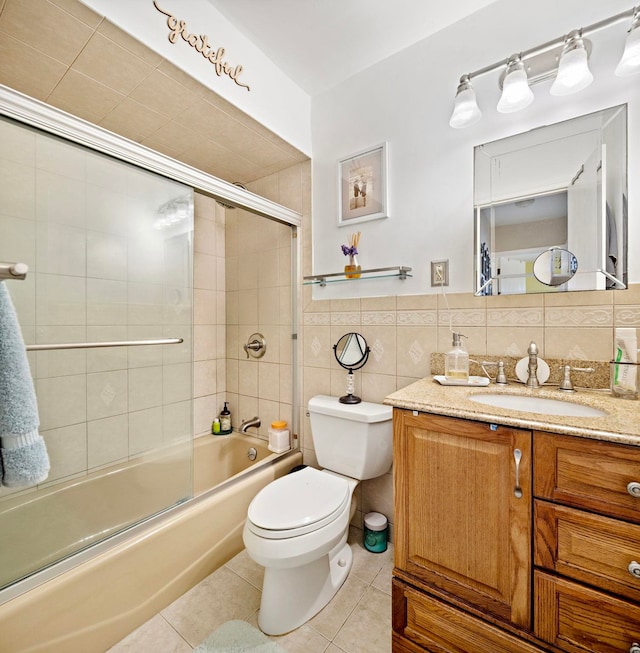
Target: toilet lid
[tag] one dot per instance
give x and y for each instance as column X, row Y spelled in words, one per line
column 302, row 500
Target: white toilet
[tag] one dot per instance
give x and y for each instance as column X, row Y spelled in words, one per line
column 297, row 526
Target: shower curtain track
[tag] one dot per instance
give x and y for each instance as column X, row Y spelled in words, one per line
column 114, row 343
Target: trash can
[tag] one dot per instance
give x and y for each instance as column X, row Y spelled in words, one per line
column 376, row 529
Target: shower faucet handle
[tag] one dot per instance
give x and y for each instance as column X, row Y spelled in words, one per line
column 256, row 345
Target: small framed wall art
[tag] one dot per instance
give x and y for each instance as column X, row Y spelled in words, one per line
column 362, row 186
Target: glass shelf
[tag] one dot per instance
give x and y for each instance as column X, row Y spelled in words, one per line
column 399, row 271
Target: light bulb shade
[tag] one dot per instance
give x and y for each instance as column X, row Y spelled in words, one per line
column 630, row 61
column 465, row 111
column 573, row 72
column 516, row 93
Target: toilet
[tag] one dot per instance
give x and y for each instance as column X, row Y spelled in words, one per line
column 297, row 526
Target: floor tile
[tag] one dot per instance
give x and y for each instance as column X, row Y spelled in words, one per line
column 218, row 598
column 368, row 628
column 246, row 568
column 332, row 617
column 154, row 635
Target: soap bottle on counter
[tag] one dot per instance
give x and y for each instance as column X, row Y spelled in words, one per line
column 225, row 420
column 456, row 361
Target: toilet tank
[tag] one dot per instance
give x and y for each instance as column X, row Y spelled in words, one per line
column 355, row 440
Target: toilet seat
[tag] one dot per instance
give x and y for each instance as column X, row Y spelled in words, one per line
column 298, row 503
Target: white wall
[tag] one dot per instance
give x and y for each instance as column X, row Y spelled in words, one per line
column 274, row 100
column 407, row 100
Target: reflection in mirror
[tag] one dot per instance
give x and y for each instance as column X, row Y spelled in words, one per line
column 555, row 266
column 561, row 186
column 352, row 352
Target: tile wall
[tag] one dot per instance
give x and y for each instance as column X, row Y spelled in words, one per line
column 404, row 331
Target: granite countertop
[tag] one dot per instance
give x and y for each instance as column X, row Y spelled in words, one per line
column 620, row 424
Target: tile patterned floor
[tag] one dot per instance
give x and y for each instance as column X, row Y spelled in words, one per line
column 358, row 619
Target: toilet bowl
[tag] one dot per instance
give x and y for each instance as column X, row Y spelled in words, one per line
column 297, row 526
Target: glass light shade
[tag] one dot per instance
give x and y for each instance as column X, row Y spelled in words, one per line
column 465, row 110
column 573, row 72
column 516, row 93
column 630, row 62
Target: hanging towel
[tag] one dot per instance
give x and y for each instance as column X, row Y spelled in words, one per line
column 23, row 453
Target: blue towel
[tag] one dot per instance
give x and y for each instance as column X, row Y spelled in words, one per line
column 22, row 449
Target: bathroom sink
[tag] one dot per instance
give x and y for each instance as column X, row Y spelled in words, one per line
column 529, row 404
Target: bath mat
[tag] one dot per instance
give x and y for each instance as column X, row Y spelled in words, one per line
column 238, row 637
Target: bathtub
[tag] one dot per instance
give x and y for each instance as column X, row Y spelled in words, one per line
column 120, row 584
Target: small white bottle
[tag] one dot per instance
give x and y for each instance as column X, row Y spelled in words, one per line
column 456, row 361
column 279, row 437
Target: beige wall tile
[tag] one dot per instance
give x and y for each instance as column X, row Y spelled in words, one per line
column 111, row 64
column 629, row 296
column 133, row 120
column 514, row 340
column 417, row 302
column 124, row 40
column 37, row 74
column 59, row 35
column 79, row 11
column 414, row 348
column 167, row 96
column 579, row 343
column 582, row 298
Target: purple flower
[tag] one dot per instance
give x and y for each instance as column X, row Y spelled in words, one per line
column 349, row 251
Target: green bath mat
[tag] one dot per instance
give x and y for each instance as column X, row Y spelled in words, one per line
column 238, row 637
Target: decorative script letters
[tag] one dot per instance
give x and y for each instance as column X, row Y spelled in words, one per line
column 200, row 43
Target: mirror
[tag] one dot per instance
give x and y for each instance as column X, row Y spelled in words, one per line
column 352, row 352
column 560, row 187
column 555, row 266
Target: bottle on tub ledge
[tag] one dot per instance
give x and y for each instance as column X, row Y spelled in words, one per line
column 279, row 437
column 225, row 420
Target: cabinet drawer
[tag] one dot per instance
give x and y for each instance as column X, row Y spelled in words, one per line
column 440, row 628
column 591, row 474
column 579, row 619
column 587, row 547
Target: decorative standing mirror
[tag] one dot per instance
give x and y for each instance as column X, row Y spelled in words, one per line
column 352, row 352
column 558, row 187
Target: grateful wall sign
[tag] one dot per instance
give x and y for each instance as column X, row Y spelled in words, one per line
column 200, row 43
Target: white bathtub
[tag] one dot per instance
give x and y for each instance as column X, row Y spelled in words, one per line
column 91, row 606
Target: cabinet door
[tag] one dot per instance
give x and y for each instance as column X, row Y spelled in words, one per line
column 463, row 526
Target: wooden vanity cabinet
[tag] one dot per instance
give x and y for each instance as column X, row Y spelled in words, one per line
column 477, row 568
column 463, row 512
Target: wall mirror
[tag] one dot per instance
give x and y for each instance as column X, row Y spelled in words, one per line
column 352, row 352
column 560, row 187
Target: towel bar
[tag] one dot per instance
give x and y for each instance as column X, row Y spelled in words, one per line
column 115, row 343
column 13, row 271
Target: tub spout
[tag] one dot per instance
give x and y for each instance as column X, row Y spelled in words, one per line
column 248, row 423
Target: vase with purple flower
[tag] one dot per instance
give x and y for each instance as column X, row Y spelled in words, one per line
column 352, row 269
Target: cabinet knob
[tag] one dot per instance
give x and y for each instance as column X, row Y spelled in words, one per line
column 634, row 490
column 635, row 648
column 634, row 570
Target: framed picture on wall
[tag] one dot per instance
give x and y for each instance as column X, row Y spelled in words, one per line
column 362, row 186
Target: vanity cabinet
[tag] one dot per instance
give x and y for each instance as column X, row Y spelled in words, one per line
column 500, row 552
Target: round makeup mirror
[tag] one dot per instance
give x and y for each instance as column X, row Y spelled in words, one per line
column 352, row 352
column 555, row 266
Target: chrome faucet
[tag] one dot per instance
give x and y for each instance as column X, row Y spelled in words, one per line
column 248, row 423
column 532, row 379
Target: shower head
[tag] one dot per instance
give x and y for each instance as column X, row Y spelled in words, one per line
column 231, row 206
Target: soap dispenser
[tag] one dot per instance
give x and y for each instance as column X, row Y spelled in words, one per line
column 225, row 420
column 456, row 361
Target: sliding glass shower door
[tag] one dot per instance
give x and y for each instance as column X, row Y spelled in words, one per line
column 109, row 250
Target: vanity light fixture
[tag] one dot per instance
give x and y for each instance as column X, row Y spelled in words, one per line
column 630, row 62
column 516, row 93
column 564, row 58
column 465, row 111
column 573, row 69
